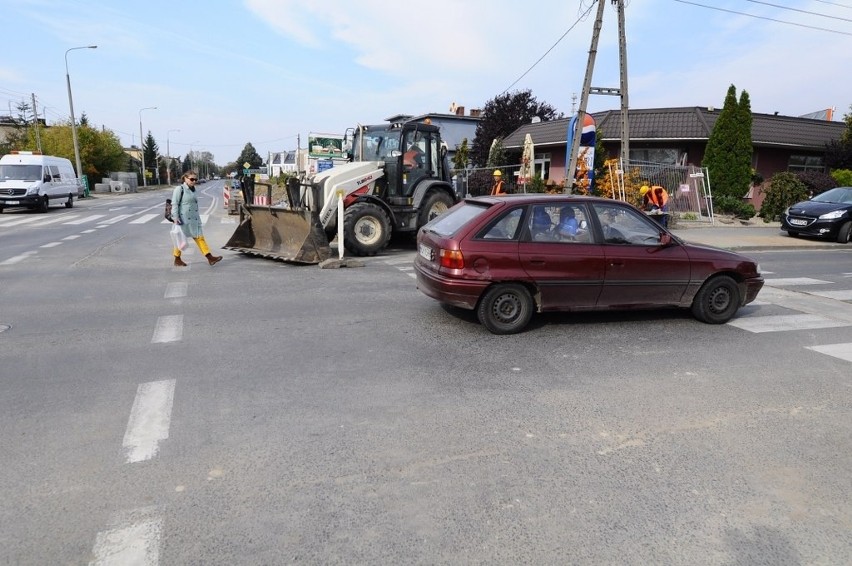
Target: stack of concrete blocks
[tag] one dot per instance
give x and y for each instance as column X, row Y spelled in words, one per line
column 127, row 179
column 103, row 186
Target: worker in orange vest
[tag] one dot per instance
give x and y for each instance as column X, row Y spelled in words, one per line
column 497, row 187
column 655, row 199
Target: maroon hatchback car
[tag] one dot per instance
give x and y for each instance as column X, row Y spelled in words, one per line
column 507, row 257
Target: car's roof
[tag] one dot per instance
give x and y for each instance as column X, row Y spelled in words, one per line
column 532, row 198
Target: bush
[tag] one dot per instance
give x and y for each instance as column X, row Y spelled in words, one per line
column 725, row 204
column 784, row 190
column 842, row 177
column 816, row 181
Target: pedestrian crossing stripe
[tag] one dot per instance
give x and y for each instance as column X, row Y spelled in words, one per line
column 842, row 351
column 784, row 322
column 844, row 295
column 789, row 281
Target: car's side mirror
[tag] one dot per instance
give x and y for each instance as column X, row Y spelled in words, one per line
column 665, row 239
column 47, row 178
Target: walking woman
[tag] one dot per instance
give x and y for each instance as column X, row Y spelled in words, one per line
column 186, row 215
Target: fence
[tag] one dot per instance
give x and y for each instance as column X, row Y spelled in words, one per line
column 688, row 187
column 477, row 181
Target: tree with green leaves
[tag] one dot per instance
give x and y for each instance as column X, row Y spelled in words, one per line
column 729, row 149
column 249, row 155
column 462, row 156
column 151, row 151
column 101, row 152
column 501, row 116
column 838, row 153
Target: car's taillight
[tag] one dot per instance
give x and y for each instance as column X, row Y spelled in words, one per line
column 452, row 259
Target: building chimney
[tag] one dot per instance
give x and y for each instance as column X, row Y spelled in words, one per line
column 459, row 110
column 475, row 112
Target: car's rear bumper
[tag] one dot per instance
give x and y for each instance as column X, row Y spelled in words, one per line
column 455, row 292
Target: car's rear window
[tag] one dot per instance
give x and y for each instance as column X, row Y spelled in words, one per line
column 449, row 223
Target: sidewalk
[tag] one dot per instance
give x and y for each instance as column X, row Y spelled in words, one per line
column 755, row 235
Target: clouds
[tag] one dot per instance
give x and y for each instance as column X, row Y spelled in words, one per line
column 266, row 71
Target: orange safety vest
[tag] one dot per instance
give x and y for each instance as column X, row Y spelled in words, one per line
column 657, row 196
column 497, row 189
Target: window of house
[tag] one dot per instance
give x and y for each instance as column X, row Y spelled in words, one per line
column 656, row 155
column 806, row 163
column 542, row 166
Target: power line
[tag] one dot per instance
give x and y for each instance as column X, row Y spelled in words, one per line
column 763, row 18
column 800, row 11
column 581, row 18
column 835, row 4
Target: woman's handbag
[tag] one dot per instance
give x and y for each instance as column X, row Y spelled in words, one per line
column 178, row 237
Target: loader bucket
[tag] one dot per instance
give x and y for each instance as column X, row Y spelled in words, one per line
column 293, row 236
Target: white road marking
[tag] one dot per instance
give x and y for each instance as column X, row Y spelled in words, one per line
column 149, row 420
column 842, row 351
column 145, row 218
column 844, row 295
column 17, row 221
column 780, row 323
column 169, row 329
column 51, row 245
column 71, row 237
column 115, row 219
column 176, row 290
column 17, row 259
column 86, row 219
column 783, row 282
column 135, row 542
column 88, row 231
column 400, row 260
column 64, row 218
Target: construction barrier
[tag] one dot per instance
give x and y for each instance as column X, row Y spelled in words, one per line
column 261, row 200
column 227, row 195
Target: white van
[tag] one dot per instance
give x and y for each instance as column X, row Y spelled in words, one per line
column 33, row 180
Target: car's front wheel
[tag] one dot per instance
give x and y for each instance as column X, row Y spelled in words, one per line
column 844, row 235
column 505, row 308
column 717, row 300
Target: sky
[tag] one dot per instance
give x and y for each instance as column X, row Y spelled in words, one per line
column 270, row 72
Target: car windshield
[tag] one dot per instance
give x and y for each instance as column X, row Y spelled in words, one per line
column 375, row 144
column 20, row 172
column 448, row 223
column 839, row 195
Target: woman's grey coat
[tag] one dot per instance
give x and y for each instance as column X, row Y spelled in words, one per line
column 187, row 211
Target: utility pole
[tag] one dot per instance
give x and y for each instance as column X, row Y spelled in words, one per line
column 35, row 119
column 588, row 89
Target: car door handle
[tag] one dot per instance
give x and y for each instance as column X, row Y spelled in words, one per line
column 537, row 260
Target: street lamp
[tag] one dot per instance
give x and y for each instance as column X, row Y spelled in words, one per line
column 169, row 153
column 73, row 120
column 142, row 144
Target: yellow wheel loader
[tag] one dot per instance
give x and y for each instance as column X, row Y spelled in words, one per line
column 398, row 179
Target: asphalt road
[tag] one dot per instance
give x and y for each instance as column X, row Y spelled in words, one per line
column 262, row 413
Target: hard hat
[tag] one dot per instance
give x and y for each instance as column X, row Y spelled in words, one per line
column 644, row 190
column 497, row 173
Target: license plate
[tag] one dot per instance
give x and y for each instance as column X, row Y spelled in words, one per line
column 10, row 202
column 798, row 222
column 425, row 252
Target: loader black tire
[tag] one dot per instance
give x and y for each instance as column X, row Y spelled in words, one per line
column 366, row 229
column 436, row 203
